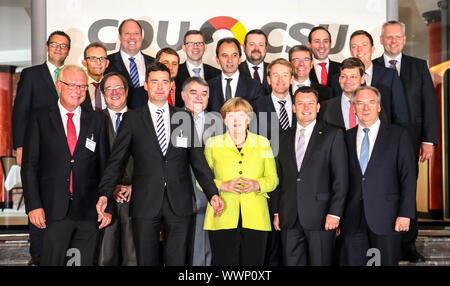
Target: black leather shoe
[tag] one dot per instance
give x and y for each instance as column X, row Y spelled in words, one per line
column 413, row 256
column 34, row 261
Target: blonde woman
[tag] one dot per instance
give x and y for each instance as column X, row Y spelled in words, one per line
column 244, row 172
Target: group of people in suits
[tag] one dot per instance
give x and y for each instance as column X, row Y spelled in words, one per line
column 329, row 157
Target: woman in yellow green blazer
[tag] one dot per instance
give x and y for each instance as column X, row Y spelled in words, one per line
column 244, row 171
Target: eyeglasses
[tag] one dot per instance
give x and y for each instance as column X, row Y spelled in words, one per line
column 94, row 59
column 304, row 60
column 56, row 45
column 197, row 44
column 111, row 89
column 72, row 86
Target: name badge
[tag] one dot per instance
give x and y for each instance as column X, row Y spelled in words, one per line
column 182, row 142
column 90, row 144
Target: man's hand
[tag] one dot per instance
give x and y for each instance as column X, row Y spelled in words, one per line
column 232, row 186
column 426, row 152
column 105, row 218
column 217, row 204
column 276, row 222
column 122, row 193
column 249, row 185
column 19, row 156
column 402, row 224
column 37, row 217
column 331, row 222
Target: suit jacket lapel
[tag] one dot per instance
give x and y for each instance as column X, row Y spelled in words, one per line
column 376, row 74
column 111, row 130
column 405, row 69
column 55, row 117
column 85, row 119
column 241, row 88
column 148, row 122
column 45, row 73
column 378, row 146
column 317, row 131
column 352, row 146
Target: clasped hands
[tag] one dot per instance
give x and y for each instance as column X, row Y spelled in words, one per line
column 240, row 185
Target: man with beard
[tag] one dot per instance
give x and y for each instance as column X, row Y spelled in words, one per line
column 95, row 61
column 255, row 49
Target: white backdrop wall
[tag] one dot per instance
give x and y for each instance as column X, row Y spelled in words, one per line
column 287, row 22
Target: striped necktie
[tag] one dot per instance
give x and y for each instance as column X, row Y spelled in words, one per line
column 196, row 72
column 284, row 120
column 161, row 131
column 301, row 148
column 134, row 73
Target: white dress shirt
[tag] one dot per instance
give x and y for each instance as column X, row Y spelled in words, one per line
column 398, row 64
column 345, row 106
column 296, row 84
column 199, row 121
column 373, row 132
column 140, row 64
column 76, row 117
column 190, row 66
column 52, row 69
column 233, row 84
column 113, row 116
column 287, row 105
column 166, row 117
column 260, row 70
column 91, row 89
column 318, row 68
column 369, row 75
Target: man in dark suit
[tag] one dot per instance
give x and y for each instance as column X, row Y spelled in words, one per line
column 195, row 94
column 65, row 152
column 36, row 89
column 231, row 83
column 95, row 61
column 274, row 116
column 301, row 58
column 422, row 107
column 312, row 167
column 319, row 41
column 116, row 245
column 160, row 140
column 393, row 101
column 255, row 49
column 382, row 195
column 338, row 111
column 129, row 61
column 194, row 47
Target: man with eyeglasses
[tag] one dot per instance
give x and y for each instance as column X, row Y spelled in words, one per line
column 255, row 49
column 116, row 243
column 194, row 47
column 130, row 61
column 36, row 89
column 65, row 152
column 96, row 62
column 301, row 58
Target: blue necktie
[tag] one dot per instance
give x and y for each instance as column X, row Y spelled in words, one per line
column 196, row 72
column 118, row 114
column 364, row 154
column 161, row 131
column 134, row 73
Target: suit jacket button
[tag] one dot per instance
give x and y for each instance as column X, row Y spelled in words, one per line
column 67, row 180
column 72, row 161
column 242, row 154
column 363, row 179
column 240, row 172
column 240, row 162
column 298, row 179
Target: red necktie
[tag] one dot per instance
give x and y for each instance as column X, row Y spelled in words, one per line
column 98, row 99
column 71, row 140
column 171, row 98
column 351, row 117
column 323, row 73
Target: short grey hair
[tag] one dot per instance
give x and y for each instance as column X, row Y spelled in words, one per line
column 75, row 68
column 367, row 87
column 394, row 22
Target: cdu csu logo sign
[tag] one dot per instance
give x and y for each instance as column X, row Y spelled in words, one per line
column 212, row 25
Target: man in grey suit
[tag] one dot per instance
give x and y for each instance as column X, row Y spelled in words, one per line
column 116, row 244
column 195, row 94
